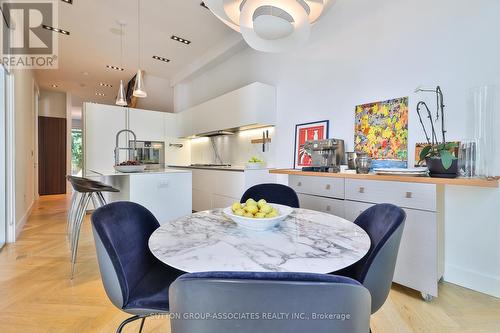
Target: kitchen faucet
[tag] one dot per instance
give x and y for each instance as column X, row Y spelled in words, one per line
column 117, row 147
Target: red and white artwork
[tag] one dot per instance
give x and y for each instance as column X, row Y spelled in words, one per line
column 307, row 132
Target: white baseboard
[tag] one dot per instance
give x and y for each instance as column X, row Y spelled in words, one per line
column 466, row 278
column 22, row 221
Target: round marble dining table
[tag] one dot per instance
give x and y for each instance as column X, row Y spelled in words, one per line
column 306, row 241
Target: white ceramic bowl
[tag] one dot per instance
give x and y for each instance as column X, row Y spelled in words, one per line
column 259, row 224
column 255, row 165
column 130, row 168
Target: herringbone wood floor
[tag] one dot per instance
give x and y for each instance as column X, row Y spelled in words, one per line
column 36, row 294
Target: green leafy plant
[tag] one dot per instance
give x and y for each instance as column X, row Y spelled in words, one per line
column 442, row 150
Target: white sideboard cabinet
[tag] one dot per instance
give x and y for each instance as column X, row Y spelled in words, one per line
column 420, row 263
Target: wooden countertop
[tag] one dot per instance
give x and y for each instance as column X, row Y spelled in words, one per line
column 478, row 182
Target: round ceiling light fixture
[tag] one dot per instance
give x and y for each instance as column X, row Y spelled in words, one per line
column 270, row 25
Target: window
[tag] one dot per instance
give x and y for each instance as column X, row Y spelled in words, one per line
column 76, row 152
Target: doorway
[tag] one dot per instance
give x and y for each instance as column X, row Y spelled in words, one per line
column 51, row 155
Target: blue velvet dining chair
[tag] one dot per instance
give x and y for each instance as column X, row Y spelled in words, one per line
column 384, row 223
column 135, row 281
column 273, row 193
column 248, row 302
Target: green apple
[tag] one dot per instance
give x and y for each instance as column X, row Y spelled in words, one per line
column 266, row 209
column 236, row 206
column 252, row 209
column 239, row 212
column 251, row 202
column 261, row 203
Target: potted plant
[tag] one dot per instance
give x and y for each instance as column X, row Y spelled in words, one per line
column 437, row 155
column 440, row 160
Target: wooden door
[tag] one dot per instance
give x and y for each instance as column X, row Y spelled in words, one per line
column 51, row 155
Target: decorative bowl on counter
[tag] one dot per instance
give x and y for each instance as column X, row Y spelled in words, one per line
column 259, row 224
column 130, row 168
column 255, row 165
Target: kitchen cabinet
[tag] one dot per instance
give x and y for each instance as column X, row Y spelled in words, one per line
column 321, row 204
column 100, row 125
column 254, row 104
column 420, row 263
column 211, row 186
column 217, row 188
column 166, row 194
column 147, row 125
column 102, row 122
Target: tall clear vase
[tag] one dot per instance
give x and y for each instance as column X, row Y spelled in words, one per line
column 483, row 112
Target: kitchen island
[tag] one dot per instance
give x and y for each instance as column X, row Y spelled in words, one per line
column 167, row 193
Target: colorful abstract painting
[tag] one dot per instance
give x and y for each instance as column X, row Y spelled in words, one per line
column 381, row 129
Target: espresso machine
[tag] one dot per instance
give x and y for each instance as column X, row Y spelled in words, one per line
column 327, row 155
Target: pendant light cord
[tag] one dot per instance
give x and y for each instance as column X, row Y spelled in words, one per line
column 121, row 45
column 139, row 33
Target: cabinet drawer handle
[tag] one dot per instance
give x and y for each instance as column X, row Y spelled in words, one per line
column 361, row 190
column 328, row 208
column 299, row 184
column 328, row 187
column 409, row 195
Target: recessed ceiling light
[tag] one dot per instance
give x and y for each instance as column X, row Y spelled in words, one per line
column 115, row 68
column 181, row 40
column 68, row 1
column 55, row 86
column 102, row 84
column 61, row 31
column 204, row 5
column 161, row 58
column 100, row 94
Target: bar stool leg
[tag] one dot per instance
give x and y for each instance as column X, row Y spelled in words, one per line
column 101, row 198
column 70, row 211
column 78, row 224
column 74, row 204
column 76, row 213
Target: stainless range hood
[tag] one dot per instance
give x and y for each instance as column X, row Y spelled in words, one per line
column 215, row 133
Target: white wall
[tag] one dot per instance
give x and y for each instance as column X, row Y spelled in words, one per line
column 52, row 104
column 24, row 119
column 370, row 50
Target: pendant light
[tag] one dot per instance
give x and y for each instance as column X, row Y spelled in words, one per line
column 121, row 99
column 139, row 89
column 270, row 25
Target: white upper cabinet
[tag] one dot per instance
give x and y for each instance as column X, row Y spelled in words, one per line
column 100, row 125
column 254, row 104
column 147, row 125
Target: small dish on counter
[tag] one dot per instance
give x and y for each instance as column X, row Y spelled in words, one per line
column 259, row 224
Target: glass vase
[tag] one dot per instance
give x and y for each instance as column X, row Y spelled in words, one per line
column 483, row 109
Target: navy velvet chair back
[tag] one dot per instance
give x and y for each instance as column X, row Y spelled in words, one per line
column 384, row 224
column 121, row 232
column 273, row 193
column 271, row 295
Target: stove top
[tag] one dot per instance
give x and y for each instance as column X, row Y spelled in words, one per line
column 211, row 165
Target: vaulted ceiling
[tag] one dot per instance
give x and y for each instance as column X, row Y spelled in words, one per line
column 94, row 42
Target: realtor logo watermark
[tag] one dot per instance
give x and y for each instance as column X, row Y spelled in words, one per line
column 26, row 44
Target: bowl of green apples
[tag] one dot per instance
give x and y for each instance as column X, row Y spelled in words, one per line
column 257, row 215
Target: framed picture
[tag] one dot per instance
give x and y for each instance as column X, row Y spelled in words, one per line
column 306, row 132
column 381, row 130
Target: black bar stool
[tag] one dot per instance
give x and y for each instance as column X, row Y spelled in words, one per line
column 84, row 190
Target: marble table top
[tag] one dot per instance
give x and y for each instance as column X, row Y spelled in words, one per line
column 306, row 241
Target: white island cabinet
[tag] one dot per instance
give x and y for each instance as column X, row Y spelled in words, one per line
column 166, row 193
